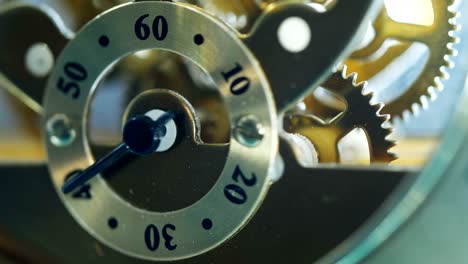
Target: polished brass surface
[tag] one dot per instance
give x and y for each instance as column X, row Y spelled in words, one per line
column 370, row 67
column 439, row 39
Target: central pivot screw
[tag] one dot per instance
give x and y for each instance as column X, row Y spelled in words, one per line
column 155, row 131
column 142, row 136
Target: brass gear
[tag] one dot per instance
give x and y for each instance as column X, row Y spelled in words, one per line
column 438, row 37
column 359, row 113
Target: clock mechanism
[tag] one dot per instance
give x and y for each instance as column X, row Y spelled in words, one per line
column 244, row 131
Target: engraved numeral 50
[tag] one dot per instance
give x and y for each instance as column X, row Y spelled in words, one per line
column 74, row 74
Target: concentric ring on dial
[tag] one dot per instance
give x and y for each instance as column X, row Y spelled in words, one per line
column 235, row 196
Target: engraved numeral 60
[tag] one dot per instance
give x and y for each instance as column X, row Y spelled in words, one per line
column 160, row 28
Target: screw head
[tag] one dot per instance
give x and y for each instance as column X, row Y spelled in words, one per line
column 249, row 131
column 60, row 130
column 39, row 60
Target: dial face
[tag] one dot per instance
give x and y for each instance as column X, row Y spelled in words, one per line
column 246, row 174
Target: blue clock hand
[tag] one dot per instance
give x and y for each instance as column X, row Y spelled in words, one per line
column 141, row 136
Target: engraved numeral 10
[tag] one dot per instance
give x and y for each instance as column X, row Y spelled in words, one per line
column 239, row 84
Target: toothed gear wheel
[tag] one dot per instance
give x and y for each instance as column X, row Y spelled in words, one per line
column 359, row 113
column 438, row 37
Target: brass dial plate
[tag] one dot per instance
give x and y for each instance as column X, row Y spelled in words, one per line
column 174, row 27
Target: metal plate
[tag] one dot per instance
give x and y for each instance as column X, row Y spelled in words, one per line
column 88, row 57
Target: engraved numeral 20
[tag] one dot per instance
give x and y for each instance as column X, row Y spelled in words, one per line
column 235, row 193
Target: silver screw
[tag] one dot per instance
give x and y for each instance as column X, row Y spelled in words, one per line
column 60, row 130
column 249, row 131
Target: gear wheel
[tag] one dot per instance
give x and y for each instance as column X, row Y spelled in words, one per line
column 359, row 113
column 438, row 37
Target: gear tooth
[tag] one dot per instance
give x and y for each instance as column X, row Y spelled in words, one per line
column 393, row 156
column 425, row 99
column 379, row 107
column 453, row 38
column 360, row 84
column 450, row 3
column 438, row 85
column 456, row 28
column 350, row 77
column 390, row 143
column 387, row 125
column 397, row 116
column 407, row 115
column 451, row 46
column 444, row 75
column 449, row 64
column 339, row 67
column 363, row 86
column 368, row 94
column 416, row 108
column 455, row 16
column 432, row 93
column 354, row 78
column 452, row 52
column 343, row 68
